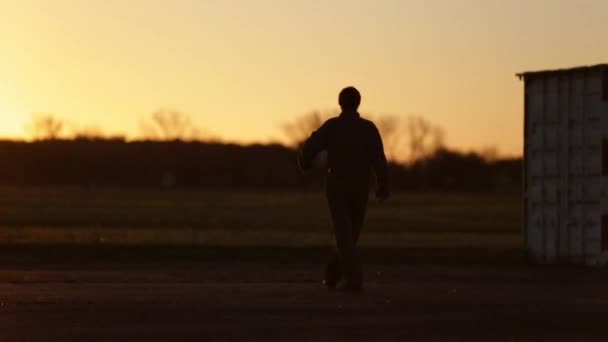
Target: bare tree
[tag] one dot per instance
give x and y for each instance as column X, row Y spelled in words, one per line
column 300, row 129
column 394, row 136
column 489, row 153
column 405, row 138
column 45, row 126
column 424, row 137
column 170, row 125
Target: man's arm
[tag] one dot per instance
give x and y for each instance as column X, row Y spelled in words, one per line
column 380, row 166
column 316, row 143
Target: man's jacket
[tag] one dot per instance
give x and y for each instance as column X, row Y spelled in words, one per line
column 354, row 147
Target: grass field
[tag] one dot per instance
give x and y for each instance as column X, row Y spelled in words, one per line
column 113, row 265
column 179, row 217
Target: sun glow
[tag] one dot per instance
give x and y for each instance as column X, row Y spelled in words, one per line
column 243, row 68
column 13, row 118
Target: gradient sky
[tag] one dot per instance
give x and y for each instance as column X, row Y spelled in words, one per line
column 241, row 68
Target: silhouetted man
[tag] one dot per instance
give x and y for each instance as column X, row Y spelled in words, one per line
column 354, row 148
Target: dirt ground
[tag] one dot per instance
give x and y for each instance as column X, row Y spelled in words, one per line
column 181, row 299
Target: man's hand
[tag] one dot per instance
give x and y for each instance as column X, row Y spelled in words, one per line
column 382, row 194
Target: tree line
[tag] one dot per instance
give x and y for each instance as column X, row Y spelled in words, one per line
column 176, row 153
column 206, row 165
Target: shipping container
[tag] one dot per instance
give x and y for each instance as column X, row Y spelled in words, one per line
column 566, row 165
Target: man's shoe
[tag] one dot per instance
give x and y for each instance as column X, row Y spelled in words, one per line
column 332, row 275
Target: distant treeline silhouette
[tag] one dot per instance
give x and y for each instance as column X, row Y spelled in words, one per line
column 217, row 166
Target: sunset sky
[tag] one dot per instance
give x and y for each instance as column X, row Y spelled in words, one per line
column 241, row 68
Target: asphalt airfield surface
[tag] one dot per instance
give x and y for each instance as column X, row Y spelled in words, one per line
column 63, row 294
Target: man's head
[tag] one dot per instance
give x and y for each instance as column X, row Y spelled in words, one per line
column 349, row 99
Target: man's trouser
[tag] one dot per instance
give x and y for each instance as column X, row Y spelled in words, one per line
column 347, row 212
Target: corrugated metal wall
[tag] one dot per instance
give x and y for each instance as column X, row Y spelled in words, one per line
column 565, row 127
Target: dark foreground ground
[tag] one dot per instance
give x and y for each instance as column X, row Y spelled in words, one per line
column 168, row 294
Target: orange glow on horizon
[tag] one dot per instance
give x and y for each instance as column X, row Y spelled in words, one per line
column 241, row 69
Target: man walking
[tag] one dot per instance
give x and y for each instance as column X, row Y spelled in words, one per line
column 354, row 147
